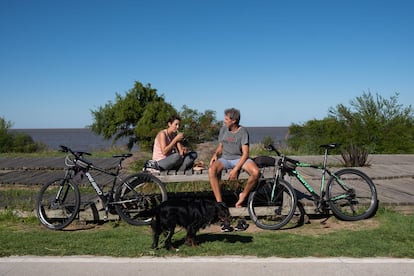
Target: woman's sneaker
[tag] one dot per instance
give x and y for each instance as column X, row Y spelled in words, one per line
column 151, row 166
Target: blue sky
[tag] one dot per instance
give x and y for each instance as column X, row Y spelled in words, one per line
column 279, row 62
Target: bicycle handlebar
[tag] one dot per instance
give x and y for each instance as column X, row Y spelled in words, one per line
column 81, row 162
column 270, row 147
column 75, row 153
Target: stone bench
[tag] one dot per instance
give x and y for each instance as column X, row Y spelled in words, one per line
column 202, row 175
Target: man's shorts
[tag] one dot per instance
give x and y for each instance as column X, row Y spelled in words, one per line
column 230, row 164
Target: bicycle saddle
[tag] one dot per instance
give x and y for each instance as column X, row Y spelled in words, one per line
column 330, row 146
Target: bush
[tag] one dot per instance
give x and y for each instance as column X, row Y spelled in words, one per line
column 16, row 142
column 355, row 156
column 382, row 125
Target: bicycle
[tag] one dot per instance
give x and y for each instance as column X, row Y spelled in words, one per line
column 349, row 193
column 59, row 200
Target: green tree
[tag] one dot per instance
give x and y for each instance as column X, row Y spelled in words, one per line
column 198, row 127
column 306, row 138
column 122, row 119
column 16, row 142
column 376, row 124
column 6, row 140
column 141, row 113
column 380, row 125
column 154, row 118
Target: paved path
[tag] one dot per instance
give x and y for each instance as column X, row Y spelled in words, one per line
column 392, row 174
column 86, row 265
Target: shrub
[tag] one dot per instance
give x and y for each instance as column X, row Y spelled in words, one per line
column 355, row 156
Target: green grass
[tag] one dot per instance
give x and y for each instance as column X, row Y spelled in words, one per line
column 392, row 235
column 56, row 153
column 20, row 198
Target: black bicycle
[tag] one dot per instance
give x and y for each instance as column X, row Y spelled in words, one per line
column 349, row 193
column 59, row 200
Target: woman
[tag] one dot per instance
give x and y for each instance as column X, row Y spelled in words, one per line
column 168, row 151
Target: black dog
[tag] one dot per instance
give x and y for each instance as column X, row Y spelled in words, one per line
column 191, row 214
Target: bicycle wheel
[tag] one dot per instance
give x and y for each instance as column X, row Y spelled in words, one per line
column 272, row 205
column 58, row 203
column 352, row 195
column 136, row 194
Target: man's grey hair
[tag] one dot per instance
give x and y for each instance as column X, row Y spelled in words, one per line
column 234, row 114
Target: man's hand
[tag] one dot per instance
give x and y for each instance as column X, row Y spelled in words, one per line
column 213, row 159
column 234, row 174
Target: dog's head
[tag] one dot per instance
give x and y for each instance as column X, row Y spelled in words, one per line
column 223, row 213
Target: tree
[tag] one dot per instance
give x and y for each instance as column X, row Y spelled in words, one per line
column 154, row 118
column 16, row 142
column 6, row 140
column 199, row 127
column 306, row 138
column 376, row 124
column 141, row 113
column 381, row 125
column 123, row 118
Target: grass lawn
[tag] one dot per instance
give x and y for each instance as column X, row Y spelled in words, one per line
column 388, row 234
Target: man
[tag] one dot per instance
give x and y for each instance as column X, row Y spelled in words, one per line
column 232, row 153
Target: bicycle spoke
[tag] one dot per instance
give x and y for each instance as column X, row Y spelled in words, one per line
column 272, row 207
column 138, row 194
column 58, row 204
column 352, row 195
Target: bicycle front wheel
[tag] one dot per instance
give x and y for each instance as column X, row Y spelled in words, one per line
column 272, row 205
column 138, row 193
column 58, row 203
column 352, row 195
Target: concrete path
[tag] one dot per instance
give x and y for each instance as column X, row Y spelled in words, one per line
column 85, row 265
column 392, row 174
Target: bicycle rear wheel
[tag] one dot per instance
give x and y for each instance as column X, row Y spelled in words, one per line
column 139, row 193
column 272, row 205
column 352, row 195
column 58, row 203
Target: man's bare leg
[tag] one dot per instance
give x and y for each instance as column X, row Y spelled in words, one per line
column 254, row 173
column 213, row 172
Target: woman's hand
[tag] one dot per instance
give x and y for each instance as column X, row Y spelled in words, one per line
column 179, row 137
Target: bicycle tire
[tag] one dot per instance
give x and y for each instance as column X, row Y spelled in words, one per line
column 138, row 193
column 56, row 210
column 357, row 201
column 272, row 212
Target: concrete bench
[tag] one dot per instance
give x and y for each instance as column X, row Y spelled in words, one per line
column 202, row 175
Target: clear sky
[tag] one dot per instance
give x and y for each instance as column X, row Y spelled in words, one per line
column 279, row 62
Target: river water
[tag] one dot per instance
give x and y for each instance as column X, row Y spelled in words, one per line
column 86, row 140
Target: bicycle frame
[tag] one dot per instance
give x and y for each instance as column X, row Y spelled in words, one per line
column 81, row 167
column 318, row 198
column 108, row 197
column 349, row 193
column 59, row 200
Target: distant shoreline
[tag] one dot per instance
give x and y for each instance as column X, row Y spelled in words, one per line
column 86, row 139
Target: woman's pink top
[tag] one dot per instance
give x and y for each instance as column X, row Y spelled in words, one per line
column 157, row 151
